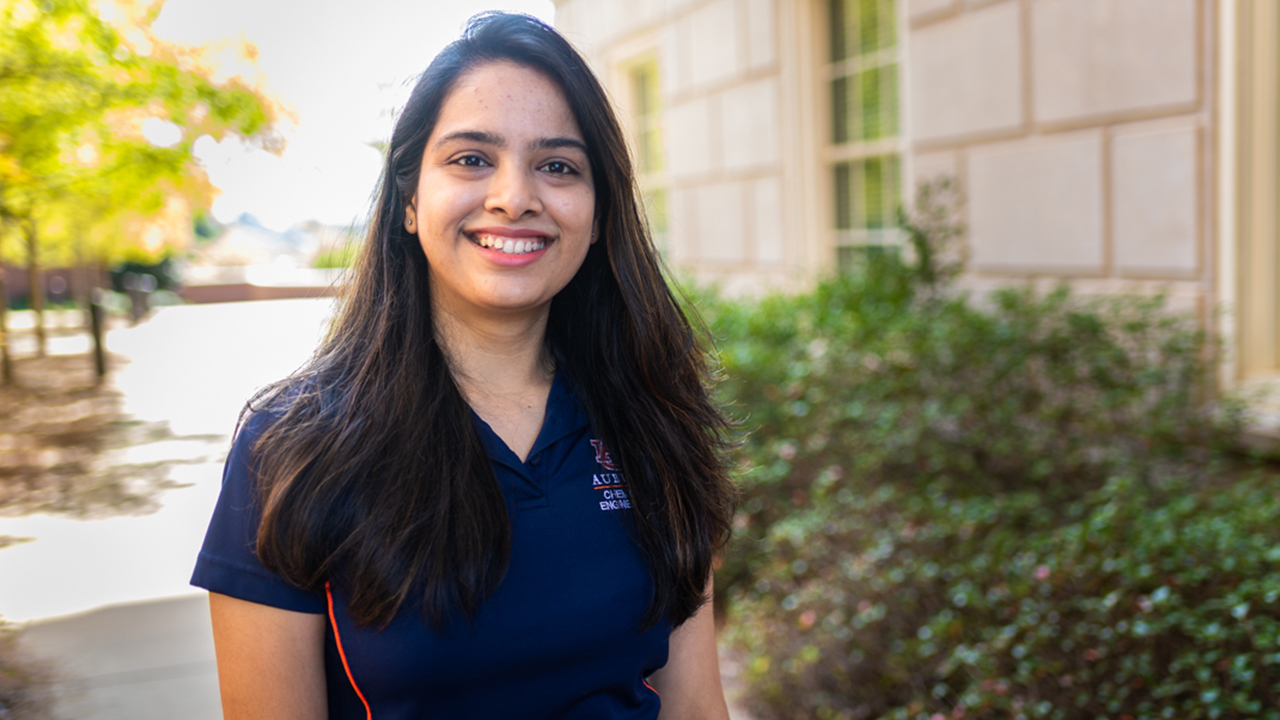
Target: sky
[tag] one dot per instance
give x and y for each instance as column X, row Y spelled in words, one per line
column 342, row 69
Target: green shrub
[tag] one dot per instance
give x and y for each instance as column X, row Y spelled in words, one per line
column 1130, row 602
column 1012, row 507
column 336, row 258
column 26, row 684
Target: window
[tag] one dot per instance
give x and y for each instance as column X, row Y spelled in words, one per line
column 864, row 150
column 646, row 108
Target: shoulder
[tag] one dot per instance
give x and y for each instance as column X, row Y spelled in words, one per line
column 249, row 430
column 228, row 562
column 241, row 469
column 269, row 408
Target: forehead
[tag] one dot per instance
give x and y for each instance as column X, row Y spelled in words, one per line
column 509, row 98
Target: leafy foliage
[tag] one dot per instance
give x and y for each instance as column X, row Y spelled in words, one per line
column 1012, row 507
column 77, row 172
column 80, row 182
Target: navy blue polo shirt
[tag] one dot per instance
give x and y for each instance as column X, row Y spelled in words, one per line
column 558, row 637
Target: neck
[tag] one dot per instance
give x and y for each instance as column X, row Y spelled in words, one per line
column 501, row 365
column 496, row 356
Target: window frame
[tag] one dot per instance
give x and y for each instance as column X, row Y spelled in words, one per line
column 650, row 181
column 832, row 154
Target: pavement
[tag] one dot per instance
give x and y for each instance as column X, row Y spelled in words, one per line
column 150, row 660
column 106, row 599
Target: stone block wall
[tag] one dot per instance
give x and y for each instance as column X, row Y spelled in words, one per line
column 1081, row 131
column 724, row 125
column 1120, row 145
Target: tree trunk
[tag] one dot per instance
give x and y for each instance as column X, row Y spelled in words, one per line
column 83, row 281
column 35, row 281
column 6, row 364
column 97, row 315
column 82, row 289
column 95, row 278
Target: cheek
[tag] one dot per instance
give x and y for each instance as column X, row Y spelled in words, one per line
column 442, row 204
column 576, row 210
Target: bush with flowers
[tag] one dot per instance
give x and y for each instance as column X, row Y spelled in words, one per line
column 1023, row 507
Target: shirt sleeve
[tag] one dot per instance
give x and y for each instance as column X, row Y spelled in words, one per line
column 228, row 562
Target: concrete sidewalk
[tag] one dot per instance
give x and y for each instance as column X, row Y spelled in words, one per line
column 142, row 661
column 107, row 599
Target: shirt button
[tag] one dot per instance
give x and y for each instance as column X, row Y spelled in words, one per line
column 535, row 458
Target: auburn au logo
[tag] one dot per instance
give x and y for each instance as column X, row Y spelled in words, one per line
column 602, row 456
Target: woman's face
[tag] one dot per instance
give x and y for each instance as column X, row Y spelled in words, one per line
column 505, row 202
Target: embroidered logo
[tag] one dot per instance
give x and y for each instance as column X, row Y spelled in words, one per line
column 602, row 456
column 611, row 485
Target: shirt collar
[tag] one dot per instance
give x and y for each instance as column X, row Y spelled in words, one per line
column 563, row 415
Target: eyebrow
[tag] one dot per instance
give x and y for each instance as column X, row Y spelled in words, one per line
column 556, row 143
column 488, row 138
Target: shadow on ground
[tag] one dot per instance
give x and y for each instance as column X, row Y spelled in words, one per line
column 62, row 437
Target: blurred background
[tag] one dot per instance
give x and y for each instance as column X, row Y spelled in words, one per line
column 992, row 283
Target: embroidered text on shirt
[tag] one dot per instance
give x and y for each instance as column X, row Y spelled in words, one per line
column 612, row 486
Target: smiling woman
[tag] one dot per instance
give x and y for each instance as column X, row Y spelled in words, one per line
column 497, row 489
column 506, row 195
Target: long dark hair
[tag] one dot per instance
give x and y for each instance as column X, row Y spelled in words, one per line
column 371, row 472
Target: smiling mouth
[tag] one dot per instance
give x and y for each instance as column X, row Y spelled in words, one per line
column 509, row 246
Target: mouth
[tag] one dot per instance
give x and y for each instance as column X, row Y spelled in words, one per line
column 508, row 245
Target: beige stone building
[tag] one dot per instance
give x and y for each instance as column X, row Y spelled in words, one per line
column 1119, row 144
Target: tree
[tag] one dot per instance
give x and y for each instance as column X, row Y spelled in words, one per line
column 79, row 180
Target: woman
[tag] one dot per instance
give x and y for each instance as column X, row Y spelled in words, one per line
column 496, row 490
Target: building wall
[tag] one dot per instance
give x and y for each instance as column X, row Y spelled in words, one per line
column 1248, row 190
column 1082, row 132
column 734, row 107
column 1119, row 145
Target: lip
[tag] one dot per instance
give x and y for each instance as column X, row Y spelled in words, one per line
column 497, row 257
column 509, row 232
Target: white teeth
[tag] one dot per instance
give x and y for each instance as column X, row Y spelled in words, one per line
column 509, row 246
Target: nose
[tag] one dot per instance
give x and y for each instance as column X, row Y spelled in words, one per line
column 513, row 192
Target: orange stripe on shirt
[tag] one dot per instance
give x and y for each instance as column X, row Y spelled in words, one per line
column 368, row 713
column 646, row 684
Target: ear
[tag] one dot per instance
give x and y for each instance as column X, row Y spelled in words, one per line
column 410, row 219
column 595, row 234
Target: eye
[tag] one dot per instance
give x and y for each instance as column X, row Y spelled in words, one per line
column 559, row 167
column 471, row 161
